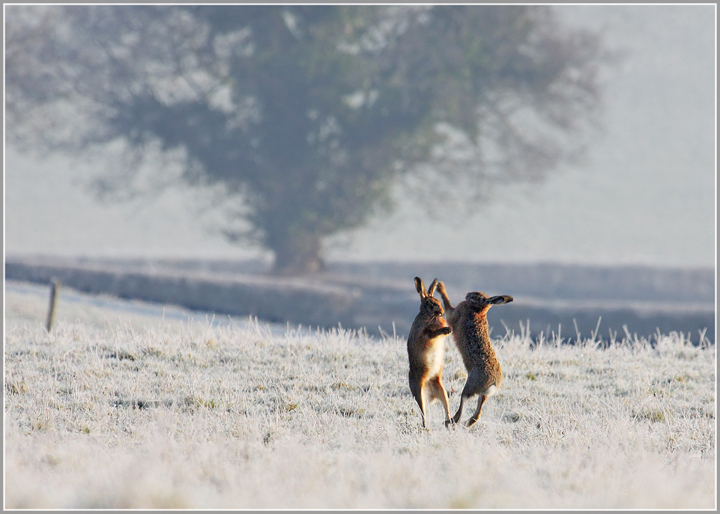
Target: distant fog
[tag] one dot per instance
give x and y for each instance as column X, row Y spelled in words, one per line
column 644, row 195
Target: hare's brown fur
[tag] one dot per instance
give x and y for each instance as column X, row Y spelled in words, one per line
column 426, row 351
column 469, row 324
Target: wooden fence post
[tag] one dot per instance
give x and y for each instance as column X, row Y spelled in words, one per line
column 54, row 293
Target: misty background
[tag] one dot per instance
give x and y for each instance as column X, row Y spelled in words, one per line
column 643, row 195
column 641, row 204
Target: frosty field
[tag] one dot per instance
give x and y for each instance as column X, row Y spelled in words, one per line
column 118, row 409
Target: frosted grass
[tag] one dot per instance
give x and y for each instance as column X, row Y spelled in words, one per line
column 164, row 414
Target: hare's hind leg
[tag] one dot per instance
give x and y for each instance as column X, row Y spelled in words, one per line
column 416, row 388
column 439, row 393
column 458, row 413
column 476, row 415
column 469, row 389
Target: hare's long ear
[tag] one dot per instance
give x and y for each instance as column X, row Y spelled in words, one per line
column 420, row 287
column 499, row 300
column 431, row 289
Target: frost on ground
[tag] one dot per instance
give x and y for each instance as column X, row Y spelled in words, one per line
column 131, row 413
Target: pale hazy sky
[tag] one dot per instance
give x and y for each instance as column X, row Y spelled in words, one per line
column 645, row 195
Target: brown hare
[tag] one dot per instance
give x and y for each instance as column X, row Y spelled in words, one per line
column 426, row 351
column 470, row 330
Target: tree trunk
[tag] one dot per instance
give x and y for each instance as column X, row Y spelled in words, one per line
column 297, row 255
